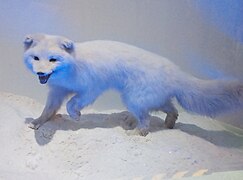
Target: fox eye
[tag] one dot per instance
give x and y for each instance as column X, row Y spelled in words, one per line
column 53, row 60
column 36, row 58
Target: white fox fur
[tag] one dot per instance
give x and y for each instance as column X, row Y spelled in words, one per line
column 145, row 81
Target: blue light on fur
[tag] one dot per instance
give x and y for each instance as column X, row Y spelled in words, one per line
column 146, row 81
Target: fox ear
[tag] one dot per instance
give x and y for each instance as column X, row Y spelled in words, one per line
column 67, row 45
column 28, row 41
column 32, row 39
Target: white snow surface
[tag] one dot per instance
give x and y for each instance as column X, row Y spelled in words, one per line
column 100, row 147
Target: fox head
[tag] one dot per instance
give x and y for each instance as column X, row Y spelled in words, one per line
column 48, row 56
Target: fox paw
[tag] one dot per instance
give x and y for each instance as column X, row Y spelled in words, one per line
column 75, row 116
column 35, row 124
column 138, row 132
column 143, row 132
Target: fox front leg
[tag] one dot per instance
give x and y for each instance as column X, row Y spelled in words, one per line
column 73, row 109
column 78, row 102
column 54, row 101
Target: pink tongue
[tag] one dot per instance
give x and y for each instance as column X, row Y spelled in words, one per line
column 44, row 79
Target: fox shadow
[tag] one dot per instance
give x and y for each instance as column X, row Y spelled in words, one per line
column 219, row 138
column 63, row 122
column 126, row 121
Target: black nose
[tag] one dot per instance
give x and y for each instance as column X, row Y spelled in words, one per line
column 40, row 74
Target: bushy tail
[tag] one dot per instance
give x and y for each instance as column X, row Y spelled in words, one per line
column 210, row 98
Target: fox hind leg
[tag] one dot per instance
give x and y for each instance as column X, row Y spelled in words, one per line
column 143, row 122
column 172, row 114
column 143, row 125
column 141, row 115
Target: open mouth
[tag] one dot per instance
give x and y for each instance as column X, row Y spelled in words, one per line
column 43, row 78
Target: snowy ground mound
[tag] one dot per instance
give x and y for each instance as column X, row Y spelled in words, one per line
column 100, row 147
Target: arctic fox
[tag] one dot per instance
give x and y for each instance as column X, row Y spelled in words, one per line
column 146, row 81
